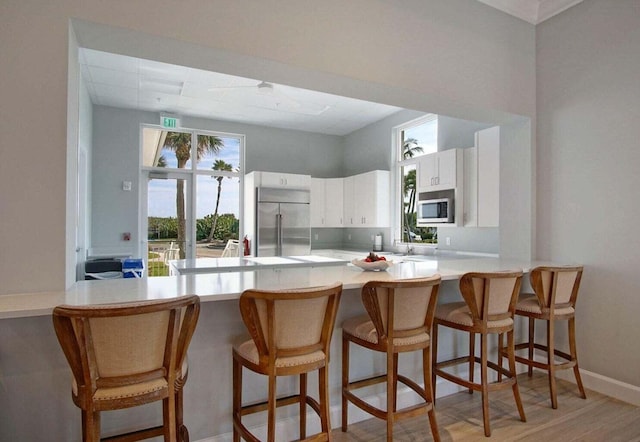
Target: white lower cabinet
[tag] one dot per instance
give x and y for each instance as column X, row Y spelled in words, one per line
column 366, row 199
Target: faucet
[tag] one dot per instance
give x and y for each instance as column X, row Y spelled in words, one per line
column 409, row 249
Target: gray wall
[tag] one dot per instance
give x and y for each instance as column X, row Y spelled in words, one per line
column 588, row 162
column 455, row 133
column 346, row 50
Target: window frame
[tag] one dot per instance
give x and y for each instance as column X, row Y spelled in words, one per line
column 190, row 174
column 397, row 199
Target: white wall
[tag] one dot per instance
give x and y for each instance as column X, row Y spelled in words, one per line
column 588, row 163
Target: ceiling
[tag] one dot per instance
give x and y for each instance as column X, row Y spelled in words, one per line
column 133, row 83
column 533, row 11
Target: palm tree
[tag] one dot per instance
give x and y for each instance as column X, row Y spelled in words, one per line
column 226, row 167
column 180, row 143
column 410, row 148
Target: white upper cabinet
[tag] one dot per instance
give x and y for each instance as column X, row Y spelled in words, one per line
column 334, row 200
column 317, row 202
column 366, row 199
column 285, row 180
column 326, row 202
column 438, row 171
column 482, row 180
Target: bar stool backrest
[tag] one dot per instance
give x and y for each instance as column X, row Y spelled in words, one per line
column 409, row 305
column 556, row 286
column 290, row 322
column 491, row 296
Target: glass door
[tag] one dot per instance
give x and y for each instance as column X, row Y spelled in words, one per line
column 168, row 221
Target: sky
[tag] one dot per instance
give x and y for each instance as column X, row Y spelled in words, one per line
column 162, row 193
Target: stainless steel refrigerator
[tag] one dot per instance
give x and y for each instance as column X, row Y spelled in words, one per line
column 283, row 222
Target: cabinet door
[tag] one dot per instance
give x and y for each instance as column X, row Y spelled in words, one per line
column 427, row 172
column 333, row 208
column 294, row 181
column 349, row 202
column 364, row 199
column 317, row 204
column 446, row 169
column 488, row 143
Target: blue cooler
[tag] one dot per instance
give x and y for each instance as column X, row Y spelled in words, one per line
column 132, row 268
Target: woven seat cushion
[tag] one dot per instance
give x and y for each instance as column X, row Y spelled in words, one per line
column 529, row 303
column 249, row 352
column 459, row 313
column 362, row 327
column 139, row 389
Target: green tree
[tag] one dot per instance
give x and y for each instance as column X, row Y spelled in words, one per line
column 219, row 165
column 180, row 143
column 410, row 148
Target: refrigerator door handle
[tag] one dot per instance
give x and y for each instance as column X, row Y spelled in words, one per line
column 278, row 234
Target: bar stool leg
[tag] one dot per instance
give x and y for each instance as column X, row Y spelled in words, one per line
column 484, row 383
column 391, row 394
column 324, row 401
column 551, row 362
column 303, row 405
column 345, row 382
column 429, row 392
column 574, row 356
column 511, row 353
column 532, row 334
column 237, row 397
column 472, row 357
column 271, row 410
column 434, row 360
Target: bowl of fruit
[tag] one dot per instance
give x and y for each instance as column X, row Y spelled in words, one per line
column 372, row 262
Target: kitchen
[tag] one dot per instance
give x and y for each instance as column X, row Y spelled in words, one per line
column 483, row 60
column 270, row 149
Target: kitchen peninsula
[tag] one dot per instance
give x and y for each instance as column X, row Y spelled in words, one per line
column 34, row 373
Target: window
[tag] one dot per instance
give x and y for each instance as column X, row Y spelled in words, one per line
column 413, row 140
column 193, row 193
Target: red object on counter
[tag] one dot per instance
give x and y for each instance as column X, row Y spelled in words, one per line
column 246, row 246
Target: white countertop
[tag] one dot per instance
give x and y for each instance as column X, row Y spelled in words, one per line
column 226, row 286
column 240, row 264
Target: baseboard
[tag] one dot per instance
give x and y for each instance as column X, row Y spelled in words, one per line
column 604, row 385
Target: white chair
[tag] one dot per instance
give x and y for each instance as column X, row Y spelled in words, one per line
column 231, row 249
column 173, row 252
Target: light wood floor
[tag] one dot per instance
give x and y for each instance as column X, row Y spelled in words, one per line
column 598, row 418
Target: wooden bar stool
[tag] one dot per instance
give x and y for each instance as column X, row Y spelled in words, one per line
column 556, row 292
column 488, row 308
column 128, row 354
column 399, row 320
column 290, row 335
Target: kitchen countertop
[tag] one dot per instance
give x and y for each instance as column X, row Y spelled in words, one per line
column 242, row 264
column 225, row 286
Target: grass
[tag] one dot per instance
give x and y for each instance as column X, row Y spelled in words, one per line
column 158, row 269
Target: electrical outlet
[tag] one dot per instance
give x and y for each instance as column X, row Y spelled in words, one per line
column 447, row 240
column 349, row 237
column 316, row 236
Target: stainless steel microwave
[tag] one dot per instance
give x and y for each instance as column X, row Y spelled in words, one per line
column 435, row 211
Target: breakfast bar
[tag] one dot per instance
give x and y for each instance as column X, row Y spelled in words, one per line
column 30, row 355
